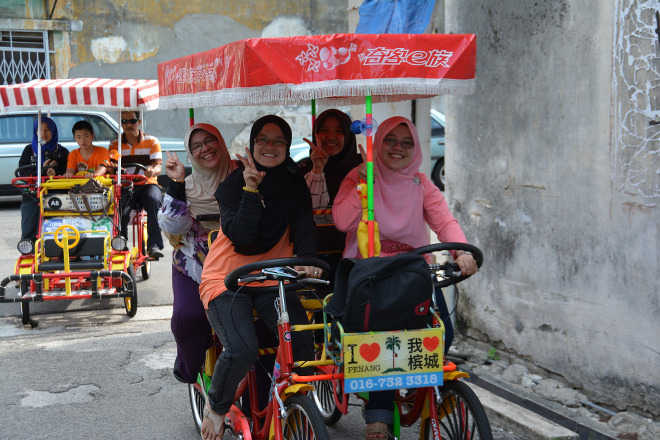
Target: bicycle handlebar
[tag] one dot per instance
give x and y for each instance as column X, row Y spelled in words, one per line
column 452, row 274
column 276, row 270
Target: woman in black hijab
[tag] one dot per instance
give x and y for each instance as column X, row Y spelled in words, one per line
column 333, row 153
column 265, row 213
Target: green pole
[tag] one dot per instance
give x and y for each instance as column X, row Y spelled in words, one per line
column 313, row 112
column 370, row 179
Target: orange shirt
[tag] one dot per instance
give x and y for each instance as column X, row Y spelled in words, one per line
column 77, row 163
column 222, row 259
column 145, row 152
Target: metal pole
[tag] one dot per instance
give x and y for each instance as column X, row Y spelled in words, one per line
column 38, row 151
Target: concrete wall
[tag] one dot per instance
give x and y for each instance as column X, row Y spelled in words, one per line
column 554, row 171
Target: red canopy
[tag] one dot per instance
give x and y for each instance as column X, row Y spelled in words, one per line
column 76, row 93
column 333, row 69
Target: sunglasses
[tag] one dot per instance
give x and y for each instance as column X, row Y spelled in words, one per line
column 129, row 121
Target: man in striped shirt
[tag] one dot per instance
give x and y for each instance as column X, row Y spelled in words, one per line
column 141, row 148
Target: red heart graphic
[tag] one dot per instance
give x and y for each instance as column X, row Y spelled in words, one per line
column 369, row 352
column 431, row 343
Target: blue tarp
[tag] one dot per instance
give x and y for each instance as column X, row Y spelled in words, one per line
column 394, row 16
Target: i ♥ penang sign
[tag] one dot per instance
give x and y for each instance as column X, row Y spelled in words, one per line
column 392, row 360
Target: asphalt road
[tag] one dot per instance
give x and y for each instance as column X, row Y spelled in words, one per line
column 89, row 371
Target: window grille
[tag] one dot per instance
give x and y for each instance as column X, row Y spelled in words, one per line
column 24, row 56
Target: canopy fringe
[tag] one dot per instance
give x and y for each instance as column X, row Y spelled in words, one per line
column 337, row 92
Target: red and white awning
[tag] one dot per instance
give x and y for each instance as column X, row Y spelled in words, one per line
column 333, row 69
column 81, row 93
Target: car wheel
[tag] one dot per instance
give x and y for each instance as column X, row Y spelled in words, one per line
column 438, row 174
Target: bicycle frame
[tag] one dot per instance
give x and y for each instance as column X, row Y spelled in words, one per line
column 267, row 423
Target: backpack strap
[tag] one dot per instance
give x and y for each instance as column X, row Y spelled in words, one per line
column 337, row 304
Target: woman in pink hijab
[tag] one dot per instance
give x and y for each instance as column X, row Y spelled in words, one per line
column 405, row 202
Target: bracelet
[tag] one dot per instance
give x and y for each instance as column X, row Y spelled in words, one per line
column 463, row 253
column 248, row 189
column 178, row 181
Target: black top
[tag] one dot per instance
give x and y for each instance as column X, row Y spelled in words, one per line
column 255, row 222
column 245, row 219
column 60, row 155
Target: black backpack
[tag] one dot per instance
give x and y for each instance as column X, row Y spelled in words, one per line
column 382, row 293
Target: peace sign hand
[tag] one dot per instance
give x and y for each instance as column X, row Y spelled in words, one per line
column 173, row 167
column 318, row 156
column 251, row 176
column 362, row 170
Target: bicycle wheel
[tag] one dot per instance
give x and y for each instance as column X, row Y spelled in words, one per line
column 302, row 420
column 460, row 414
column 130, row 302
column 197, row 403
column 324, row 398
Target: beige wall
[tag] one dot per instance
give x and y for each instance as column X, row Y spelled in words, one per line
column 129, row 31
column 127, row 39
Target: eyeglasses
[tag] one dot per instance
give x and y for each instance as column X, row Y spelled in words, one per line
column 130, row 121
column 391, row 142
column 194, row 148
column 262, row 142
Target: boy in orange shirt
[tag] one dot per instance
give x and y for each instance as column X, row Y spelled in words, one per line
column 88, row 158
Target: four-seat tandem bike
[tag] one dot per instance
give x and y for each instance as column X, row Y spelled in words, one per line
column 79, row 252
column 428, row 387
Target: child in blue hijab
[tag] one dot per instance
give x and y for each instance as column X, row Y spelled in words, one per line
column 53, row 163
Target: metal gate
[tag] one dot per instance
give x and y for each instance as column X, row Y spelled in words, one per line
column 24, row 56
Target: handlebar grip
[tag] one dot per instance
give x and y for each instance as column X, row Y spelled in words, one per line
column 434, row 267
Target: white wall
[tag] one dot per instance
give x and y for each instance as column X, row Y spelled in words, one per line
column 554, row 173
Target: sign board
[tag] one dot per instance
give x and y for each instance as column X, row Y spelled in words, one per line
column 393, row 360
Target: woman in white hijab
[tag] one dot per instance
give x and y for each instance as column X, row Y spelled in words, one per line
column 190, row 211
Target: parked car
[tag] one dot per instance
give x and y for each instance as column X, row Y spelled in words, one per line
column 300, row 149
column 438, row 149
column 16, row 132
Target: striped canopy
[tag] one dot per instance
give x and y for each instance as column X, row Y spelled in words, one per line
column 80, row 93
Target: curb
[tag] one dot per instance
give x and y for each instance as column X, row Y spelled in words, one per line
column 519, row 420
column 531, row 417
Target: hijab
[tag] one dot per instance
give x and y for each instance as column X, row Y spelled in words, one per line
column 348, row 158
column 202, row 183
column 49, row 146
column 399, row 195
column 283, row 191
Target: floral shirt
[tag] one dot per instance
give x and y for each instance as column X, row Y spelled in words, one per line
column 189, row 253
